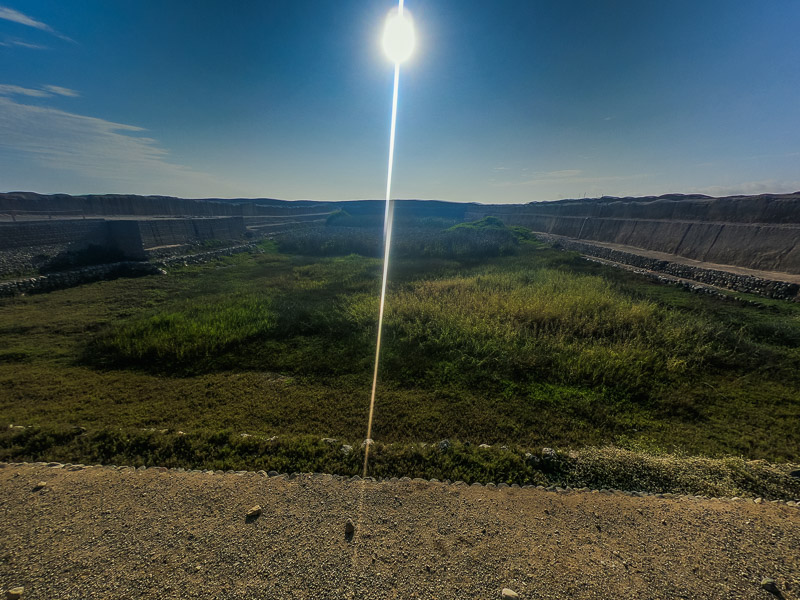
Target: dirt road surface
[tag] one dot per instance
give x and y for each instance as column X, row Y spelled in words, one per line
column 101, row 533
column 682, row 260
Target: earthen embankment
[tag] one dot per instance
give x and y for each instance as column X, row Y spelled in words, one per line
column 757, row 232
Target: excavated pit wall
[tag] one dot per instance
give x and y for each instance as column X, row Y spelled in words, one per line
column 780, row 290
column 754, row 246
column 133, row 205
column 28, row 246
column 781, row 209
column 756, row 232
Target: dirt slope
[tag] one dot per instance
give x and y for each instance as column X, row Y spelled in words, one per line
column 105, row 533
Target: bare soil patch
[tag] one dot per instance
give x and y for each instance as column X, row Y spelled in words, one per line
column 106, row 533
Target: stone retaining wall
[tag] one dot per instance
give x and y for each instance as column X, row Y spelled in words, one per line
column 52, row 233
column 165, row 232
column 29, row 246
column 67, row 279
column 723, row 279
column 204, row 257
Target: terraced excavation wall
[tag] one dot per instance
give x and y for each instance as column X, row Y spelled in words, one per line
column 755, row 232
column 29, row 203
column 165, row 232
column 29, row 245
column 758, row 232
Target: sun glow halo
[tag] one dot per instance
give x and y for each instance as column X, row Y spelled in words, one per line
column 398, row 36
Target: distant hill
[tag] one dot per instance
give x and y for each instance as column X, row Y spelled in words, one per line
column 763, row 208
column 760, row 232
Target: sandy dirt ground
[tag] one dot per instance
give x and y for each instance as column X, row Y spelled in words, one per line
column 101, row 533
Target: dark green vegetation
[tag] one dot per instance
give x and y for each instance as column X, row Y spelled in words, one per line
column 529, row 347
column 421, row 238
column 596, row 468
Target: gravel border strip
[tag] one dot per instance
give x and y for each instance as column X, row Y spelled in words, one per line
column 356, row 478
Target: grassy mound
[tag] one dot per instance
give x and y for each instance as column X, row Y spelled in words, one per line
column 345, row 234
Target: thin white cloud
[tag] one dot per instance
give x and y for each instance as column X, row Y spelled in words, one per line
column 571, row 176
column 564, row 174
column 46, row 91
column 754, row 157
column 61, row 91
column 9, row 14
column 11, row 43
column 16, row 90
column 501, row 169
column 112, row 155
column 770, row 156
column 766, row 186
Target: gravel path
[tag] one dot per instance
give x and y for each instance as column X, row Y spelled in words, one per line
column 100, row 533
column 682, row 260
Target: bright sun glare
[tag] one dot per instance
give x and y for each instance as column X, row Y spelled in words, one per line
column 398, row 36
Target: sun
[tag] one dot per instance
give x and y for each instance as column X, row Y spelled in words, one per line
column 398, row 36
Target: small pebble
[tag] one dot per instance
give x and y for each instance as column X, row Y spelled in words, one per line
column 15, row 593
column 509, row 593
column 769, row 584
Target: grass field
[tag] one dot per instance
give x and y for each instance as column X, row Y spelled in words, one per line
column 532, row 347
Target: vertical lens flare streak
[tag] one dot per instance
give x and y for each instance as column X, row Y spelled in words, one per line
column 387, row 242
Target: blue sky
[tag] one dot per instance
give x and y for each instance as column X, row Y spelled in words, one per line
column 504, row 101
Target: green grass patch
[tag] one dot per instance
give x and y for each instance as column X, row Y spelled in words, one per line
column 547, row 325
column 539, row 348
column 196, row 331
